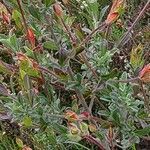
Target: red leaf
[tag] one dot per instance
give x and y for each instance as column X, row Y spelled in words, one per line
column 144, row 75
column 114, row 11
column 85, row 114
column 71, row 116
column 112, row 18
column 6, row 18
column 57, row 9
column 31, row 37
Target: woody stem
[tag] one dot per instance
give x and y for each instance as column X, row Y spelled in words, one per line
column 22, row 13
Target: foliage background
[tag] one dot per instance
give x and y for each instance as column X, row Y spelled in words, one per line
column 56, row 94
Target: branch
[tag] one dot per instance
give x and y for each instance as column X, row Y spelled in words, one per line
column 134, row 23
column 78, row 92
column 23, row 17
column 92, row 140
column 146, row 101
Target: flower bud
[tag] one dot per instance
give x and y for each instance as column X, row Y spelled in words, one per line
column 112, row 18
column 71, row 116
column 74, row 129
column 6, row 18
column 115, row 10
column 31, row 37
column 58, row 10
column 144, row 75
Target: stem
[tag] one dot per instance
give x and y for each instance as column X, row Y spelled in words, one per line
column 146, row 101
column 84, row 58
column 134, row 23
column 48, row 71
column 23, row 17
column 82, row 43
column 78, row 92
column 49, row 21
column 11, row 83
column 101, row 26
column 127, row 81
column 92, row 140
column 68, row 31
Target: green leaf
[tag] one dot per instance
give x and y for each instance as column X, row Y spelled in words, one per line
column 116, row 117
column 4, row 68
column 75, row 138
column 35, row 12
column 75, row 143
column 6, row 42
column 93, row 9
column 51, row 136
column 27, row 68
column 17, row 18
column 84, row 128
column 22, row 74
column 102, row 13
column 27, row 121
column 136, row 58
column 29, row 52
column 110, row 75
column 60, row 128
column 48, row 2
column 14, row 43
column 50, row 45
column 19, row 143
column 142, row 132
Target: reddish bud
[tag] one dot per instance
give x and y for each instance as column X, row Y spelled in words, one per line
column 71, row 116
column 115, row 11
column 112, row 18
column 144, row 75
column 6, row 18
column 26, row 148
column 58, row 10
column 31, row 37
column 85, row 114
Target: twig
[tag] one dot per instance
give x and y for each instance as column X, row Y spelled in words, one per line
column 50, row 23
column 68, row 32
column 78, row 92
column 91, row 103
column 128, row 80
column 100, row 27
column 48, row 71
column 134, row 23
column 92, row 140
column 84, row 58
column 23, row 17
column 146, row 101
